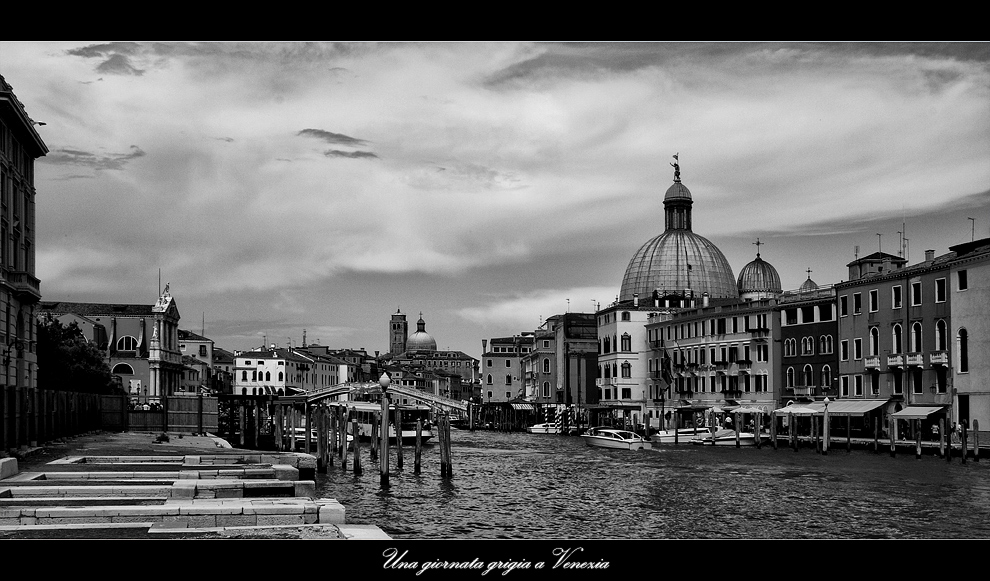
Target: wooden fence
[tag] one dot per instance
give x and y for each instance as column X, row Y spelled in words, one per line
column 30, row 417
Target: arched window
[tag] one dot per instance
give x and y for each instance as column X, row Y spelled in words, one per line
column 615, row 372
column 626, row 342
column 916, row 337
column 962, row 347
column 489, row 379
column 874, row 341
column 254, row 375
column 608, row 371
column 826, row 377
column 127, row 343
column 546, row 365
column 280, row 376
column 626, row 369
column 122, row 369
column 809, row 376
column 508, row 379
column 941, row 341
column 608, row 343
column 895, row 334
column 244, row 376
column 546, row 389
column 625, row 315
column 790, row 377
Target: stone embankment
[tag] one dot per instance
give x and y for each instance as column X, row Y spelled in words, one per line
column 139, row 485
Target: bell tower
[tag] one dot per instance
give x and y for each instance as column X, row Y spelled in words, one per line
column 398, row 332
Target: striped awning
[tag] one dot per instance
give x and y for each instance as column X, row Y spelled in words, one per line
column 522, row 406
column 919, row 412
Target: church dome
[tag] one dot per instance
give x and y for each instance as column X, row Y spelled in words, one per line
column 421, row 340
column 675, row 261
column 759, row 276
column 808, row 285
column 678, row 259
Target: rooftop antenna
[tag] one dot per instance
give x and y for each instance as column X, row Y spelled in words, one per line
column 568, row 305
column 856, row 251
column 879, row 243
column 204, row 323
column 972, row 235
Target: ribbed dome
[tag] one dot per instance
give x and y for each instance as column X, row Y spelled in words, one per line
column 677, row 191
column 678, row 259
column 675, row 261
column 808, row 285
column 421, row 340
column 759, row 276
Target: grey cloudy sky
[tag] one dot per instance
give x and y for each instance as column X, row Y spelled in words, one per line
column 321, row 186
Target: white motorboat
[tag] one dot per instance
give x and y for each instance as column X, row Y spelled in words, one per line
column 727, row 438
column 604, row 437
column 548, row 428
column 684, row 435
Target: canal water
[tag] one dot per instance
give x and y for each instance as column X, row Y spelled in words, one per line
column 515, row 485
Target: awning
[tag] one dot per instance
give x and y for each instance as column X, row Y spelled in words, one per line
column 691, row 408
column 748, row 410
column 614, row 406
column 797, row 410
column 522, row 406
column 849, row 407
column 917, row 412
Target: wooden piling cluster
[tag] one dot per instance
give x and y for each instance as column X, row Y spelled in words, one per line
column 443, row 441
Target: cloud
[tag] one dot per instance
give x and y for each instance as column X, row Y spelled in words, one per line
column 93, row 160
column 118, row 64
column 332, row 138
column 526, row 310
column 348, row 154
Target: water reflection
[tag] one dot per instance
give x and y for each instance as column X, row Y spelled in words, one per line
column 527, row 486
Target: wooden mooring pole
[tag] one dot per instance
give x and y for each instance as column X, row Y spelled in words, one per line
column 419, row 447
column 331, row 419
column 964, row 451
column 773, row 429
column 357, row 446
column 917, row 439
column 976, row 440
column 321, row 440
column 398, row 439
column 343, row 439
column 374, row 436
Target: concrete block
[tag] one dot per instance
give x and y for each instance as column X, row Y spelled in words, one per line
column 280, row 519
column 183, row 489
column 10, row 513
column 194, row 521
column 139, row 518
column 214, row 509
column 8, row 467
column 286, row 472
column 237, row 520
column 362, row 532
column 260, row 509
column 237, row 492
column 305, row 489
column 331, row 512
column 6, row 521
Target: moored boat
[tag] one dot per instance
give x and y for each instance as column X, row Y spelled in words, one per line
column 605, row 437
column 682, row 435
column 547, row 428
column 727, row 438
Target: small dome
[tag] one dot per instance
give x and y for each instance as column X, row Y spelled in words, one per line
column 421, row 340
column 677, row 191
column 808, row 285
column 759, row 278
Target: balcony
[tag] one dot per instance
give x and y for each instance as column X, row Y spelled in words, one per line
column 744, row 364
column 939, row 358
column 760, row 333
column 22, row 282
column 873, row 362
column 916, row 360
column 895, row 361
column 803, row 390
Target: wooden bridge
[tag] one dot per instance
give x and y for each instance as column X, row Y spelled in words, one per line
column 334, row 393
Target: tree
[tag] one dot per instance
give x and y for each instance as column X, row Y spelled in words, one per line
column 69, row 362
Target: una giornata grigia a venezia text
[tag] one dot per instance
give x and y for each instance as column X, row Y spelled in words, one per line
column 562, row 559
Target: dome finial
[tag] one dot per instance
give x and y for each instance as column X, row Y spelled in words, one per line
column 809, row 273
column 758, row 243
column 677, row 169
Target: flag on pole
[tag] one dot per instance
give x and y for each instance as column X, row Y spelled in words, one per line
column 665, row 365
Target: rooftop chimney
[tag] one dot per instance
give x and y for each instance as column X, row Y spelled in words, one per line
column 929, row 255
column 635, row 299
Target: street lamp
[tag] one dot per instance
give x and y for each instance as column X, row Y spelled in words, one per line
column 384, row 382
column 825, row 427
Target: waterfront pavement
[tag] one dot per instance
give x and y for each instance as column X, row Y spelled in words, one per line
column 123, row 445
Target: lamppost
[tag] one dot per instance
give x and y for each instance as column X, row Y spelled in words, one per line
column 825, row 427
column 384, row 382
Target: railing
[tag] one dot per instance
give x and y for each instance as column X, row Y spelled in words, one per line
column 916, row 359
column 873, row 362
column 895, row 361
column 939, row 358
column 22, row 281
